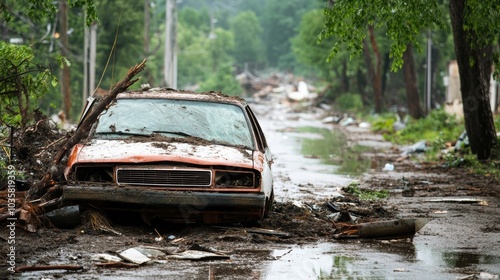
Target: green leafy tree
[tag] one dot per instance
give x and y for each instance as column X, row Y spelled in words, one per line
column 193, row 57
column 475, row 28
column 222, row 81
column 32, row 22
column 247, row 37
column 280, row 22
column 120, row 27
column 22, row 82
column 220, row 46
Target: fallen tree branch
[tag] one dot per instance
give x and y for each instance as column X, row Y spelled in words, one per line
column 84, row 127
column 45, row 204
column 47, row 267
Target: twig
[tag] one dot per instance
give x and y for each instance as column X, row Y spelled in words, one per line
column 117, row 264
column 51, row 144
column 48, row 267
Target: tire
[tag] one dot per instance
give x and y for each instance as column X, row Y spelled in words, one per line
column 269, row 205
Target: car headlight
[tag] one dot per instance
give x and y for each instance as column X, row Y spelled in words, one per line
column 235, row 179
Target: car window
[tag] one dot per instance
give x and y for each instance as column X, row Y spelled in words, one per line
column 216, row 122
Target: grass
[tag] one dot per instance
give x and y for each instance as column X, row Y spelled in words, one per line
column 439, row 128
column 363, row 194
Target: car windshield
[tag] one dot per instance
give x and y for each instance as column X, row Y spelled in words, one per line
column 216, row 122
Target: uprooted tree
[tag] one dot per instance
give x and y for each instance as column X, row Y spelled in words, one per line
column 475, row 30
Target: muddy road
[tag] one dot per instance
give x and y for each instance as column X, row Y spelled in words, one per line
column 313, row 163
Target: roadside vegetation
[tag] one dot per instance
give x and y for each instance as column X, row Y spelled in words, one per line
column 442, row 133
column 365, row 194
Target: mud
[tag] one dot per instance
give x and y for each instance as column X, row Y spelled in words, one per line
column 460, row 240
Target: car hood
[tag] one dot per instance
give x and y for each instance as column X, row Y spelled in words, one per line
column 122, row 151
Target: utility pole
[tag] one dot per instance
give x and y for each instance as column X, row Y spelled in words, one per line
column 170, row 62
column 85, row 94
column 93, row 42
column 89, row 55
column 65, row 74
column 428, row 90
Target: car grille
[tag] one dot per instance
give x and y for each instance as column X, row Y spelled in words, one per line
column 164, row 177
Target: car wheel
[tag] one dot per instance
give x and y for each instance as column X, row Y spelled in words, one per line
column 269, row 204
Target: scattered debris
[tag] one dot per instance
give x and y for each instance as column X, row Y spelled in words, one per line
column 48, row 267
column 408, row 190
column 99, row 222
column 258, row 230
column 117, row 264
column 64, row 217
column 383, row 229
column 388, row 167
column 462, row 142
column 106, row 257
column 134, row 256
column 465, row 200
column 197, row 255
column 419, row 147
column 481, row 275
column 151, row 252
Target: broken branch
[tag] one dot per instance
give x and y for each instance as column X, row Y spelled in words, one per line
column 48, row 267
column 84, row 127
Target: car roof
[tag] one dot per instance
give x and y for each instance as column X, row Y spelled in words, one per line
column 168, row 93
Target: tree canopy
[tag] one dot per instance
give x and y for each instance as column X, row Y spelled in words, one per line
column 475, row 30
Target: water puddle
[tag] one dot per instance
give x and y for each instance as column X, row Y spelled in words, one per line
column 465, row 259
column 330, row 146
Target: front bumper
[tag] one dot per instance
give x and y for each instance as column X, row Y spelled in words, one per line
column 162, row 198
column 229, row 206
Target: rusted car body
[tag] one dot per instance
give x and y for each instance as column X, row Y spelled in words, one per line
column 182, row 156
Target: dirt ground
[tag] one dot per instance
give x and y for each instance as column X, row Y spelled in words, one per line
column 468, row 227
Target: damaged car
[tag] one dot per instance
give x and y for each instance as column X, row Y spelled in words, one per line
column 176, row 155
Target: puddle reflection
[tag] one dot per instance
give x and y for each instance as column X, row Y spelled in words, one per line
column 464, row 259
column 331, row 148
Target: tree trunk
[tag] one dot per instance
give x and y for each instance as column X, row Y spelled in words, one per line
column 414, row 108
column 374, row 72
column 65, row 75
column 474, row 65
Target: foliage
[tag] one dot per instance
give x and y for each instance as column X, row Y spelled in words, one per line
column 481, row 21
column 247, row 39
column 40, row 9
column 193, row 57
column 364, row 194
column 347, row 22
column 222, row 81
column 22, row 83
column 305, row 46
column 220, row 46
column 382, row 123
column 280, row 21
column 118, row 28
column 464, row 158
column 438, row 124
column 349, row 102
